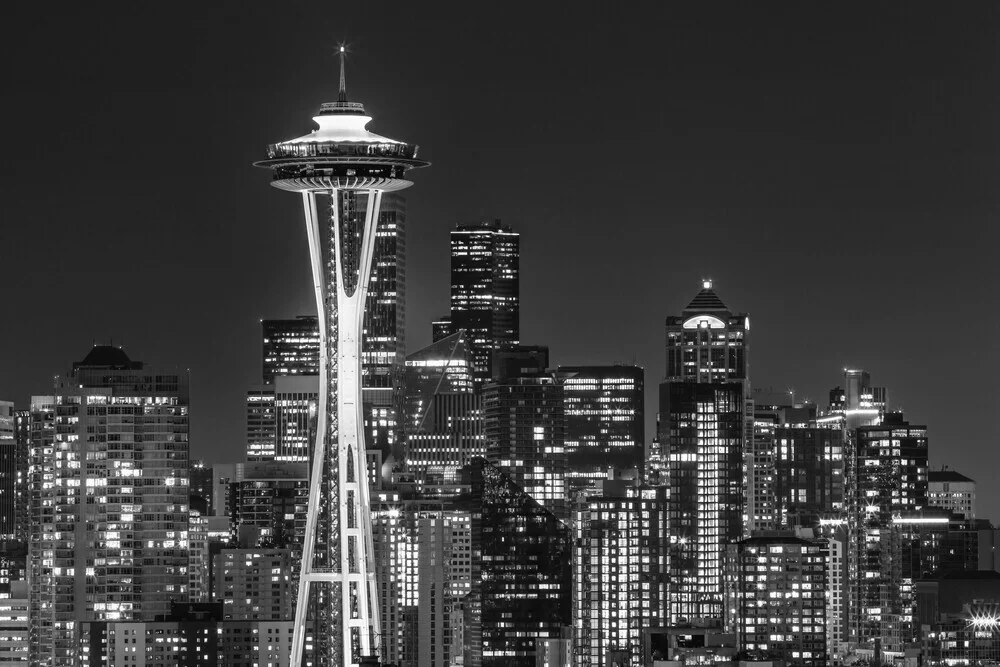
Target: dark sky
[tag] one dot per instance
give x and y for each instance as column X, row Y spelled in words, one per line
column 833, row 167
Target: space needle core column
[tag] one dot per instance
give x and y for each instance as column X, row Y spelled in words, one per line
column 346, row 168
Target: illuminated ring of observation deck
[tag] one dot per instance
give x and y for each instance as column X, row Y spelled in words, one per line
column 341, row 155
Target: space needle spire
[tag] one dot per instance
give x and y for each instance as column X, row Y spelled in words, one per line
column 341, row 171
column 342, row 95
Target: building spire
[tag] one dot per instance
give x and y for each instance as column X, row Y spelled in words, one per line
column 342, row 96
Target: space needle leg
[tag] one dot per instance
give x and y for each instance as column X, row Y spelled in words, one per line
column 319, row 449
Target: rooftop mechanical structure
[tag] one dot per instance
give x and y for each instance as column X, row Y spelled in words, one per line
column 341, row 170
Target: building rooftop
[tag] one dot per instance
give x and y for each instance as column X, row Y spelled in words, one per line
column 706, row 300
column 107, row 356
column 947, row 476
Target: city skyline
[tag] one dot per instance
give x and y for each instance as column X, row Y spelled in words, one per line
column 844, row 251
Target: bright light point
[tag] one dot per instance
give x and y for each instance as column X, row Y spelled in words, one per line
column 707, row 284
column 343, row 49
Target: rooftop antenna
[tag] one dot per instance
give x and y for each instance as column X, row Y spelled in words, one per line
column 342, row 96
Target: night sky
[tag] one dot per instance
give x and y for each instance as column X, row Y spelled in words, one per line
column 833, row 167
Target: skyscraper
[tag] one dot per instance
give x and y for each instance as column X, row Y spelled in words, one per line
column 620, row 573
column 525, row 428
column 281, row 418
column 290, row 347
column 890, row 464
column 809, row 475
column 605, row 415
column 485, row 290
column 703, row 426
column 443, row 415
column 109, row 499
column 776, row 597
column 521, row 598
column 341, row 170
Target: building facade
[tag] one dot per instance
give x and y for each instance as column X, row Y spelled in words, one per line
column 605, row 422
column 776, row 598
column 525, row 428
column 109, row 499
column 443, row 414
column 952, row 491
column 705, row 420
column 485, row 290
column 620, row 575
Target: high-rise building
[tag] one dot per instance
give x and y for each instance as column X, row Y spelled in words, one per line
column 952, row 491
column 109, row 499
column 269, row 504
column 525, row 428
column 770, row 412
column 342, row 171
column 890, row 464
column 291, row 347
column 605, row 422
column 281, row 418
column 485, row 290
column 776, row 589
column 443, row 415
column 809, row 474
column 520, row 603
column 620, row 573
column 13, row 473
column 703, row 427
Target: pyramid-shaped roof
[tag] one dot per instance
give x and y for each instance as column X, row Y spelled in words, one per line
column 706, row 300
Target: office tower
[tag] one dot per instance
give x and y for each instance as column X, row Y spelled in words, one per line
column 809, row 474
column 281, row 418
column 521, row 594
column 890, row 464
column 109, row 499
column 341, row 171
column 702, row 431
column 291, row 347
column 620, row 573
column 952, row 491
column 776, row 597
column 485, row 290
column 7, row 426
column 269, row 504
column 525, row 428
column 443, row 416
column 604, row 407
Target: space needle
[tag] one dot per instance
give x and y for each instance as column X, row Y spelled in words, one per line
column 341, row 170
